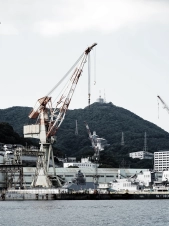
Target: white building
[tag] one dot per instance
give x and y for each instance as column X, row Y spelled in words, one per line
column 85, row 163
column 119, row 185
column 141, row 155
column 145, row 178
column 161, row 161
column 165, row 175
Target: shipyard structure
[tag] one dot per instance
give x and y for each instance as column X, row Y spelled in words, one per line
column 14, row 175
column 46, row 180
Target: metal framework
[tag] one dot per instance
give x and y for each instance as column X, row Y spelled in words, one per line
column 122, row 139
column 76, row 130
column 50, row 118
column 11, row 168
column 96, row 155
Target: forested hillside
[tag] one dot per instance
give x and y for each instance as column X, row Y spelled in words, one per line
column 9, row 136
column 109, row 121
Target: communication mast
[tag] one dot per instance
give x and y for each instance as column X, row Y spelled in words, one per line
column 104, row 97
column 145, row 142
column 122, row 139
column 76, row 130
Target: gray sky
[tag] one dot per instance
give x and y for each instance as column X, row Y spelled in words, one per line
column 41, row 39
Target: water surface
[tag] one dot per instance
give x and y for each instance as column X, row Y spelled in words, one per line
column 85, row 213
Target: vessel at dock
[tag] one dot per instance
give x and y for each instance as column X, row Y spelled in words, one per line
column 63, row 194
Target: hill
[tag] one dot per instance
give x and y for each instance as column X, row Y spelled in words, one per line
column 109, row 121
column 8, row 135
column 16, row 117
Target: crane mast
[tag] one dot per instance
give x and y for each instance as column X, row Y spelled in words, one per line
column 96, row 155
column 164, row 104
column 50, row 118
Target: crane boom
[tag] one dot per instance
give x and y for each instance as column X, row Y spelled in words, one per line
column 58, row 114
column 164, row 104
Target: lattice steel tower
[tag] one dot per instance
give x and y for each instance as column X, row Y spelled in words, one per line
column 122, row 139
column 145, row 142
column 76, row 130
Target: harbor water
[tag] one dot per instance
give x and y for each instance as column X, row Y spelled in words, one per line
column 85, row 213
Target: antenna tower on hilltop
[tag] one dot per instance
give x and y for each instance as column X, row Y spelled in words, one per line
column 145, row 142
column 76, row 130
column 104, row 97
column 122, row 139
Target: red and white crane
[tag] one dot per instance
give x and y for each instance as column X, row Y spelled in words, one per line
column 48, row 117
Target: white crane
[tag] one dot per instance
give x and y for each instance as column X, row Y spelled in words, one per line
column 49, row 118
column 96, row 155
column 164, row 104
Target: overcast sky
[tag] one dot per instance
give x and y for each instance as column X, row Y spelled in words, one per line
column 41, row 39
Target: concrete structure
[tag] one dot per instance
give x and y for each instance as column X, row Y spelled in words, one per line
column 161, row 161
column 85, row 163
column 141, row 155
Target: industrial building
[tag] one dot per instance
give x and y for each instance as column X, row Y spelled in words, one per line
column 105, row 175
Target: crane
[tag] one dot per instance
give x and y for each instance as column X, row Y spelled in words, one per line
column 164, row 104
column 96, row 155
column 48, row 117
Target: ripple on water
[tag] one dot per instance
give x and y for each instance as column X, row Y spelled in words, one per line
column 85, row 213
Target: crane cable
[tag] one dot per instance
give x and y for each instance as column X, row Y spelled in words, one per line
column 89, row 87
column 158, row 109
column 65, row 75
column 95, row 66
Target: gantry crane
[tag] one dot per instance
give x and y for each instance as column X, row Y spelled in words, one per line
column 49, row 117
column 164, row 104
column 96, row 155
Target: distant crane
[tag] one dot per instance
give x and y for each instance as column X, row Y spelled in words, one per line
column 49, row 118
column 164, row 104
column 96, row 155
